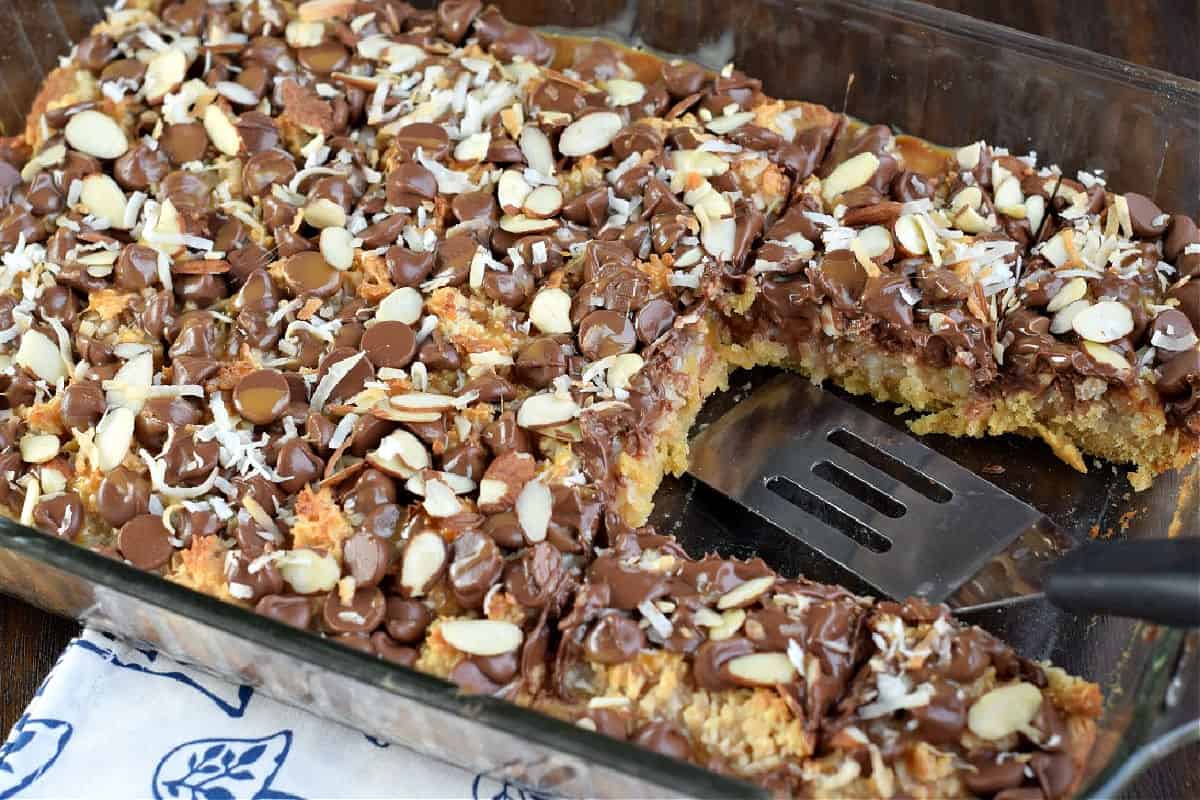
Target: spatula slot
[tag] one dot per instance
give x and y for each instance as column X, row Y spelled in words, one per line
column 855, row 486
column 889, row 464
column 822, row 510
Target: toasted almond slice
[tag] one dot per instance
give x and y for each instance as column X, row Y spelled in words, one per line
column 875, row 241
column 114, row 436
column 850, row 174
column 324, row 213
column 440, row 500
column 404, row 57
column 536, row 147
column 337, row 247
column 543, row 202
column 402, row 305
column 968, row 220
column 309, row 572
column 399, row 454
column 1055, row 249
column 970, row 197
column 623, row 92
column 130, row 386
column 221, row 130
column 745, row 593
column 1035, row 211
column 729, row 122
column 481, row 637
column 103, row 198
column 541, row 410
column 1103, row 322
column 519, row 223
column 1065, row 316
column 474, row 147
column 511, row 191
column 968, row 156
column 731, row 621
column 534, row 508
column 300, row 33
column 316, row 10
column 623, row 368
column 1104, row 354
column 422, row 401
column 1009, row 194
column 38, row 448
column 550, row 311
column 96, row 134
column 1004, row 710
column 590, row 133
column 908, row 236
column 41, row 356
column 424, row 558
column 165, row 71
column 762, row 669
column 1071, row 291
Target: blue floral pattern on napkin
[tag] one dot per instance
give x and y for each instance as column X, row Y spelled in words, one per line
column 32, row 748
column 222, row 769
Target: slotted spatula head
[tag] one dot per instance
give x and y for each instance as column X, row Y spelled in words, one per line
column 905, row 519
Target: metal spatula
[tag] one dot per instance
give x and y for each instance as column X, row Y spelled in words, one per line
column 911, row 522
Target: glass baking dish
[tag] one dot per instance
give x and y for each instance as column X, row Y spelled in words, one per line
column 935, row 74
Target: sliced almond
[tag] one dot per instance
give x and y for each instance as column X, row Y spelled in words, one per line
column 474, row 147
column 481, row 637
column 970, row 197
column 968, row 220
column 1008, row 194
column 543, row 202
column 1103, row 354
column 1071, row 291
column 762, row 669
column 534, row 508
column 550, row 311
column 96, row 134
column 622, row 92
column 309, row 572
column 746, row 593
column 1065, row 317
column 422, row 401
column 130, row 386
column 699, row 162
column 165, row 71
column 590, row 133
column 909, row 237
column 316, row 10
column 1103, row 322
column 1035, row 211
column 440, row 500
column 41, row 356
column 221, row 130
column 519, row 223
column 622, row 369
column 875, row 242
column 38, row 448
column 850, row 174
column 511, row 191
column 731, row 621
column 337, row 247
column 968, row 156
column 324, row 213
column 403, row 57
column 299, row 33
column 403, row 305
column 114, row 436
column 729, row 122
column 1055, row 249
column 1004, row 710
column 537, row 151
column 399, row 454
column 541, row 410
column 424, row 558
column 103, row 199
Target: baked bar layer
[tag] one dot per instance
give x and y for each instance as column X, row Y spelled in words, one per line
column 386, row 324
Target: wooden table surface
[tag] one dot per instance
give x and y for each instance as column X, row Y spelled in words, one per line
column 1162, row 34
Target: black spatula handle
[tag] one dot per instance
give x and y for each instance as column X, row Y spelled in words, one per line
column 1157, row 580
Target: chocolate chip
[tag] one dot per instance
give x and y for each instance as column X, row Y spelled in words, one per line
column 143, row 541
column 362, row 614
column 406, row 620
column 367, row 557
column 533, row 577
column 409, row 184
column 1148, row 219
column 371, row 490
column 683, row 78
column 540, row 362
column 664, row 738
column 60, row 514
column 293, row 610
column 454, row 18
column 387, row 648
column 1182, row 232
column 1180, row 375
column 137, row 268
column 123, row 494
column 298, row 465
column 433, row 141
column 266, row 168
column 262, row 396
column 505, row 530
column 184, row 142
column 407, row 267
column 81, row 405
column 390, row 344
column 614, row 639
column 383, row 520
column 307, row 273
column 476, row 565
column 188, row 459
column 606, row 333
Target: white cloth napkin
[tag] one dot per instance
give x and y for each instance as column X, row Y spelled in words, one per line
column 114, row 721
